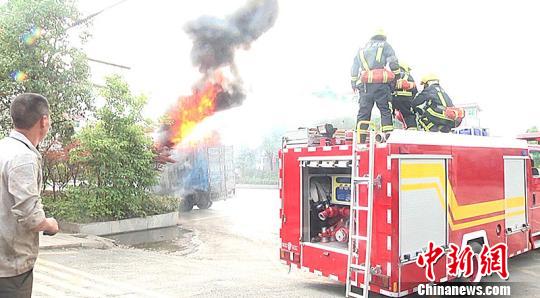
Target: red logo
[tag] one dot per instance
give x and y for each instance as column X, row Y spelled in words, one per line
column 461, row 262
column 429, row 258
column 494, row 260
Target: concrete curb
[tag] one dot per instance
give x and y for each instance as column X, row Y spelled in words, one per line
column 122, row 226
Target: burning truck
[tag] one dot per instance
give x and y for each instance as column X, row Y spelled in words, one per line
column 201, row 172
column 199, row 175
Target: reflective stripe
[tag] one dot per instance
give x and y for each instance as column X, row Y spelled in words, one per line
column 363, row 59
column 370, row 77
column 435, row 114
column 412, row 128
column 387, row 128
column 404, row 93
column 354, row 79
column 385, row 77
column 423, row 124
column 379, row 54
column 441, row 97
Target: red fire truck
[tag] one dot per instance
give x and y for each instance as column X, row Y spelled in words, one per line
column 399, row 195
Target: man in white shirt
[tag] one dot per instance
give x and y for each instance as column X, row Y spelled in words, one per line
column 21, row 211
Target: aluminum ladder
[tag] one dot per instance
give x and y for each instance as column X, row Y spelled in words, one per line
column 353, row 262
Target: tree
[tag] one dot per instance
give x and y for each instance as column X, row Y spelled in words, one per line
column 116, row 154
column 269, row 147
column 36, row 55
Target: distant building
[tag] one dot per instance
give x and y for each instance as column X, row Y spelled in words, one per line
column 472, row 115
column 471, row 125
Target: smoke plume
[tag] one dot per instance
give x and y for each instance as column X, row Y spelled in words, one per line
column 215, row 41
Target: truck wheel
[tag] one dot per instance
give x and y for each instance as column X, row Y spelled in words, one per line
column 186, row 204
column 476, row 275
column 204, row 203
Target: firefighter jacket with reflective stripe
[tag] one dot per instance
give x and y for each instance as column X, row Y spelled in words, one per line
column 436, row 99
column 400, row 91
column 376, row 54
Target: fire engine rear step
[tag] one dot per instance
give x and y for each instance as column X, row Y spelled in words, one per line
column 353, row 262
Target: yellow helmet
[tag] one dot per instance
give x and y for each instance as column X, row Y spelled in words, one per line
column 428, row 78
column 405, row 66
column 379, row 32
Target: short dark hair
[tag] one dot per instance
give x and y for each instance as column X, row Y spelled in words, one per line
column 27, row 108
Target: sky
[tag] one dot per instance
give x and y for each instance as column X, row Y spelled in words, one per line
column 483, row 51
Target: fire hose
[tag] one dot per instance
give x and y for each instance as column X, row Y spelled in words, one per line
column 334, row 211
column 339, row 231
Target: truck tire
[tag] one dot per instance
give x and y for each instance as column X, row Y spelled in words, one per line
column 476, row 276
column 204, row 203
column 186, row 204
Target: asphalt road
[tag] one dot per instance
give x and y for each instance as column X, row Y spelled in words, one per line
column 230, row 250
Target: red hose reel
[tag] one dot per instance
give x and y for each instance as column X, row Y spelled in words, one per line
column 334, row 211
column 339, row 231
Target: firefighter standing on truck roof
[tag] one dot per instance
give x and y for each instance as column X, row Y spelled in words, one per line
column 404, row 93
column 438, row 114
column 372, row 80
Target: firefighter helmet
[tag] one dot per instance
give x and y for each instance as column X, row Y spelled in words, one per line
column 379, row 33
column 428, row 78
column 404, row 66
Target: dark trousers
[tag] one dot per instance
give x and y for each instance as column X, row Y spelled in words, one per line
column 431, row 123
column 403, row 105
column 381, row 95
column 19, row 286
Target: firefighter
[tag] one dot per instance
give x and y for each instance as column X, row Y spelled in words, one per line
column 435, row 115
column 371, row 79
column 404, row 93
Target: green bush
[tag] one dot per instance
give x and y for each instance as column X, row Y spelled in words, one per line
column 85, row 204
column 116, row 159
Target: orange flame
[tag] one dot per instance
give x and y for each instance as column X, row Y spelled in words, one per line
column 192, row 110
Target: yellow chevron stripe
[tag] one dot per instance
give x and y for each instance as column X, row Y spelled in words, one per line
column 486, row 220
column 459, row 212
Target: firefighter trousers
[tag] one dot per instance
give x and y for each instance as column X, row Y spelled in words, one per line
column 403, row 105
column 431, row 123
column 371, row 94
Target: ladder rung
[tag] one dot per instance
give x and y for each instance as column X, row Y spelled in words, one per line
column 361, row 180
column 355, row 295
column 358, row 237
column 358, row 267
column 361, row 208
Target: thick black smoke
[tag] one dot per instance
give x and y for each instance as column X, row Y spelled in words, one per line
column 215, row 41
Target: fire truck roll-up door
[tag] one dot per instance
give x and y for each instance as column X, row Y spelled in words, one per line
column 422, row 205
column 514, row 193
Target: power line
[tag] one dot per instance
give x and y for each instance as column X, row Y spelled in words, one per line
column 109, row 63
column 87, row 18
